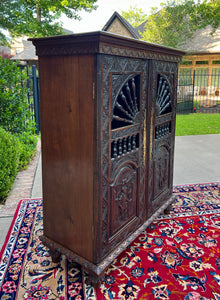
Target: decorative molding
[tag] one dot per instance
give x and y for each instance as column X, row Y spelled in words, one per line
column 137, row 53
column 72, row 49
column 104, row 43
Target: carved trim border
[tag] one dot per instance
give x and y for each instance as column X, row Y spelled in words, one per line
column 101, row 267
column 69, row 49
column 137, row 53
column 72, row 49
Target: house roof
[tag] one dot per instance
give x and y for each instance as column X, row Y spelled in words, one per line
column 141, row 27
column 134, row 32
column 203, row 42
column 27, row 54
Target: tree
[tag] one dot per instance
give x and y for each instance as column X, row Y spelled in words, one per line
column 206, row 13
column 135, row 16
column 177, row 20
column 170, row 26
column 36, row 18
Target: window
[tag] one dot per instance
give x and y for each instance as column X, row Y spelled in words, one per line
column 186, row 62
column 216, row 62
column 202, row 62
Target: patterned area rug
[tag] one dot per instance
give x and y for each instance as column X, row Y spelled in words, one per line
column 177, row 257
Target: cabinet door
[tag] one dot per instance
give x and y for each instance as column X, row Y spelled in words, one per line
column 122, row 103
column 164, row 101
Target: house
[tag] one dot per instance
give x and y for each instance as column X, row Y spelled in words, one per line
column 17, row 45
column 24, row 51
column 202, row 59
column 27, row 55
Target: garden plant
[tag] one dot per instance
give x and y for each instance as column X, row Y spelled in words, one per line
column 17, row 128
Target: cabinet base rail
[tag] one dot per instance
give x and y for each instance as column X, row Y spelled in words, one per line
column 96, row 271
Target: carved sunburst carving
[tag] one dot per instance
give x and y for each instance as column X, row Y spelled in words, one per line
column 163, row 101
column 127, row 105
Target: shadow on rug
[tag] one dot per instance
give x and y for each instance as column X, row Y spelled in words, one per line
column 177, row 257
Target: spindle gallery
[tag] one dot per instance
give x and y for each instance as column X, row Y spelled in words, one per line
column 108, row 107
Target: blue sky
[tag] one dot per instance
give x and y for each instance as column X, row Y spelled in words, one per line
column 97, row 19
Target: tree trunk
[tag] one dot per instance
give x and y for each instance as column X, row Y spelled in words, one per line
column 39, row 14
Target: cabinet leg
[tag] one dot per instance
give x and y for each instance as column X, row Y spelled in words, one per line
column 94, row 280
column 168, row 209
column 55, row 256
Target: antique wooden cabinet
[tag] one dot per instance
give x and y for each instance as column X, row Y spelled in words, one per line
column 108, row 108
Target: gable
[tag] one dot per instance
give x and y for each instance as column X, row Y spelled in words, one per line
column 117, row 24
column 117, row 27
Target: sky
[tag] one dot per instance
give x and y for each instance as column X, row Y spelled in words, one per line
column 98, row 18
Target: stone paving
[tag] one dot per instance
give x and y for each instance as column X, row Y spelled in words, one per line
column 22, row 187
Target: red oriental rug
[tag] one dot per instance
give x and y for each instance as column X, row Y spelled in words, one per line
column 177, row 257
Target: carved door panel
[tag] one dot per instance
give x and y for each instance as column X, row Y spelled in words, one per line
column 123, row 199
column 122, row 168
column 164, row 75
column 125, row 151
column 161, row 169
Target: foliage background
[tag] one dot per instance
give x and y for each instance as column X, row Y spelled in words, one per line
column 17, row 129
column 175, row 21
column 36, row 18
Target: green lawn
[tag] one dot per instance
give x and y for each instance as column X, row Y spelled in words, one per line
column 197, row 123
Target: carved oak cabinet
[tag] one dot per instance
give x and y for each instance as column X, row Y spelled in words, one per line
column 108, row 107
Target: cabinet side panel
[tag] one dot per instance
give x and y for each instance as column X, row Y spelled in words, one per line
column 67, row 120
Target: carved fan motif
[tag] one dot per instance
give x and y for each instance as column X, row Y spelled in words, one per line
column 127, row 105
column 163, row 101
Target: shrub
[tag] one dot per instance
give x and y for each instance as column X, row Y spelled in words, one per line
column 10, row 148
column 15, row 115
column 28, row 148
column 18, row 142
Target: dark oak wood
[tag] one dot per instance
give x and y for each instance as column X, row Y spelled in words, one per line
column 108, row 107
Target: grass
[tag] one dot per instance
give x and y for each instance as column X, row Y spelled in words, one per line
column 197, row 124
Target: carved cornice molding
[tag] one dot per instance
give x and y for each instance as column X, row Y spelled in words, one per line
column 65, row 50
column 58, row 50
column 104, row 43
column 137, row 53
